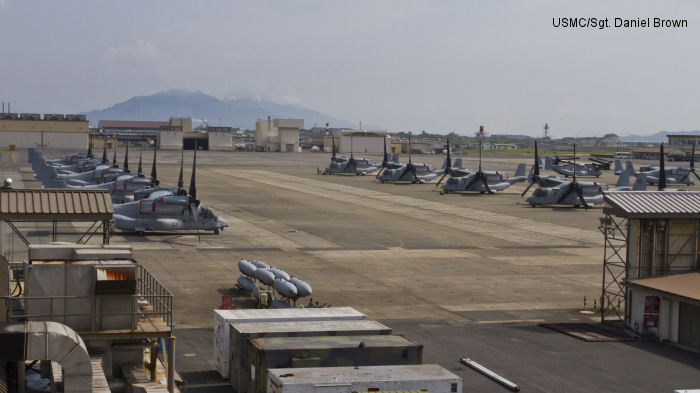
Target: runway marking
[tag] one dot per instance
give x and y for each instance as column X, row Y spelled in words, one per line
column 503, row 228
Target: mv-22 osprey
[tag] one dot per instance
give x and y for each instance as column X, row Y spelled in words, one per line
column 167, row 209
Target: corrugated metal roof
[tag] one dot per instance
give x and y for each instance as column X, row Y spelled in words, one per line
column 653, row 204
column 55, row 205
column 686, row 285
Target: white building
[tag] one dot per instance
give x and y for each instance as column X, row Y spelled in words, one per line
column 278, row 134
column 363, row 141
column 667, row 307
column 171, row 136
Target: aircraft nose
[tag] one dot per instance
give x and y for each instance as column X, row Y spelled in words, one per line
column 221, row 222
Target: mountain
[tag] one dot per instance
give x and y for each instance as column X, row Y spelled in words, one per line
column 658, row 137
column 241, row 112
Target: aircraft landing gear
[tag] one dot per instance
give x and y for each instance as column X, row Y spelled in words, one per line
column 140, row 233
column 217, row 231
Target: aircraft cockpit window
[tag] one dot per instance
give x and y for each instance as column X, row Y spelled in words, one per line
column 207, row 213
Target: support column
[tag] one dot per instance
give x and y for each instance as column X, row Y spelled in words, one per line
column 21, row 377
column 154, row 360
column 171, row 365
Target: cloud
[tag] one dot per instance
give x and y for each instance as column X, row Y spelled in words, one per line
column 4, row 4
column 133, row 56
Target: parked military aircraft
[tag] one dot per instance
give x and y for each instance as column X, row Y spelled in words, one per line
column 351, row 165
column 413, row 172
column 452, row 170
column 542, row 181
column 678, row 175
column 483, row 181
column 163, row 211
column 572, row 168
column 123, row 187
column 573, row 193
column 388, row 162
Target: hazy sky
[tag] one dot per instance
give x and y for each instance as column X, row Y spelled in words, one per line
column 408, row 65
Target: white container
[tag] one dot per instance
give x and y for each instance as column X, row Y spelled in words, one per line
column 223, row 319
column 430, row 377
column 241, row 332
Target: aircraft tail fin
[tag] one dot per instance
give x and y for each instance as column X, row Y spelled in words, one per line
column 618, row 166
column 548, row 163
column 531, row 174
column 520, row 172
column 539, row 161
column 444, row 164
column 623, row 180
column 629, row 167
column 457, row 163
column 641, row 183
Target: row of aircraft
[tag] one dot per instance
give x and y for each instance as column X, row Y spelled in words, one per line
column 552, row 190
column 140, row 203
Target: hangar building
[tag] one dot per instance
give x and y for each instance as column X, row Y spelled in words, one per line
column 58, row 131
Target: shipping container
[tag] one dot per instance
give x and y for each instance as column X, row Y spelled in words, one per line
column 242, row 332
column 223, row 319
column 328, row 351
column 428, row 377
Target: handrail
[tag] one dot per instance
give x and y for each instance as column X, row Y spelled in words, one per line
column 148, row 289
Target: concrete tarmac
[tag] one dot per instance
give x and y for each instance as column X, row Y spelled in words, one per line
column 464, row 274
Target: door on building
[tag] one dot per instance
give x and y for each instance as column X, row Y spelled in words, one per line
column 289, row 148
column 689, row 325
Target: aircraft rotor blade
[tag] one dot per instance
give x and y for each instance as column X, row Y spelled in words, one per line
column 527, row 189
column 379, row 173
column 473, row 180
column 180, row 181
column 566, row 193
column 405, row 171
column 580, row 196
column 193, row 184
column 484, row 181
column 154, row 173
column 441, row 178
column 695, row 174
column 140, row 168
column 196, row 222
